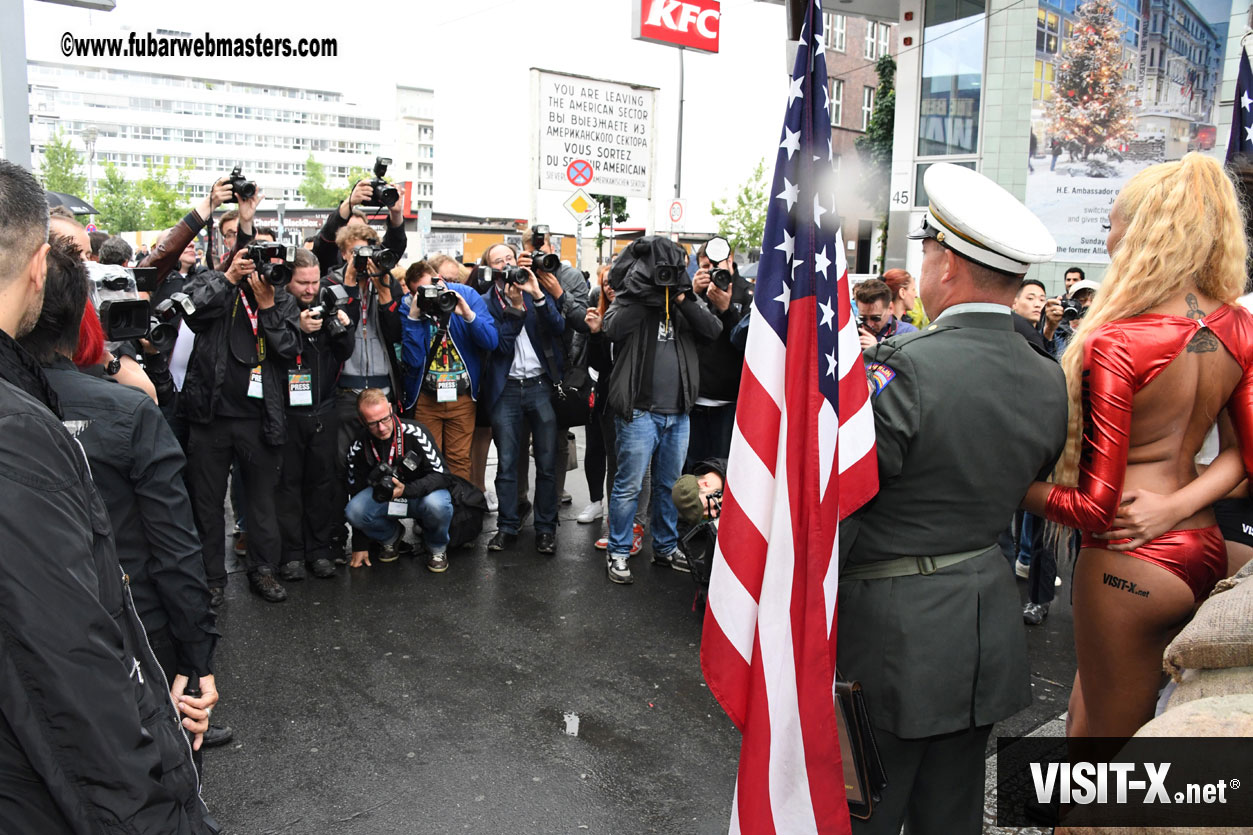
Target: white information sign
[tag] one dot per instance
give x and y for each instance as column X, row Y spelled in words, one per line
column 605, row 124
column 446, row 242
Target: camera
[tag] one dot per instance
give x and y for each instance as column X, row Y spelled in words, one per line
column 717, row 250
column 114, row 292
column 276, row 274
column 668, row 275
column 162, row 332
column 548, row 262
column 513, row 275
column 434, row 298
column 331, row 299
column 241, row 189
column 1071, row 310
column 384, row 259
column 722, row 278
column 385, row 194
column 380, row 478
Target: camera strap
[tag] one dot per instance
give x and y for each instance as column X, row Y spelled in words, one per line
column 252, row 322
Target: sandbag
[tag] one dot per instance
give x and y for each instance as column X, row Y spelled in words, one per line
column 1219, row 636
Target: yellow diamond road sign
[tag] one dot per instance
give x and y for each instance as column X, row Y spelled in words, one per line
column 580, row 204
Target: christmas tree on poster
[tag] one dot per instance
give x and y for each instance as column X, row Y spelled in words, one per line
column 1091, row 109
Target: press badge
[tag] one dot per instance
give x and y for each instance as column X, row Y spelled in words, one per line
column 398, row 508
column 254, row 384
column 446, row 391
column 299, row 388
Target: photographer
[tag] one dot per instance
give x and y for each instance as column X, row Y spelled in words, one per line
column 729, row 298
column 374, row 306
column 875, row 320
column 306, row 496
column 89, row 737
column 654, row 323
column 1062, row 314
column 445, row 337
column 379, row 498
column 234, row 396
column 137, row 466
column 328, row 249
column 518, row 390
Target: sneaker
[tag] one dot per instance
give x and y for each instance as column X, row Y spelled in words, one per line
column 1022, row 569
column 590, row 514
column 602, row 544
column 619, row 571
column 264, row 584
column 566, row 498
column 675, row 559
column 492, row 504
column 217, row 596
column 1033, row 614
column 637, row 541
column 389, row 553
column 241, row 544
column 323, row 568
column 437, row 563
column 292, row 572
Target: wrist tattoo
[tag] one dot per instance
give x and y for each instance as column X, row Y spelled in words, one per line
column 1126, row 585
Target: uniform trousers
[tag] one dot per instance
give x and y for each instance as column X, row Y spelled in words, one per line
column 210, row 451
column 310, row 485
column 935, row 784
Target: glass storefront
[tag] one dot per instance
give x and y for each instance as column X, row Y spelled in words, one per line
column 952, row 77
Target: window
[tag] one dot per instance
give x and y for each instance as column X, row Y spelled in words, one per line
column 867, row 106
column 835, row 27
column 871, row 40
column 837, row 102
column 952, row 81
column 885, row 34
column 1046, row 31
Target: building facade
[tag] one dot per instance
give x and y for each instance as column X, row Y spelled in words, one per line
column 413, row 150
column 854, row 45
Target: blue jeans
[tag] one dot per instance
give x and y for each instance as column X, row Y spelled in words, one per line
column 530, row 401
column 663, row 440
column 433, row 513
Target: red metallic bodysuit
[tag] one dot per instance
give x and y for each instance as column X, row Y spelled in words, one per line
column 1119, row 359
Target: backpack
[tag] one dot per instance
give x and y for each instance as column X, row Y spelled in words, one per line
column 469, row 506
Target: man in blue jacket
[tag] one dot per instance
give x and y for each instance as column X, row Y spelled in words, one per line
column 443, row 344
column 517, row 387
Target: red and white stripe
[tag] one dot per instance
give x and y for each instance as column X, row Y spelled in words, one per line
column 768, row 651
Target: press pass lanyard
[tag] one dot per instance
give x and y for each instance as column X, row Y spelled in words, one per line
column 252, row 321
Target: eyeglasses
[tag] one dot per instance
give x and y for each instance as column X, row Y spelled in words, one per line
column 370, row 424
column 876, row 319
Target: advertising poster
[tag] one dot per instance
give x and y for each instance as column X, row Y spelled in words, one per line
column 1119, row 85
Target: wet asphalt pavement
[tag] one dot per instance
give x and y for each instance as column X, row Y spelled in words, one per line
column 394, row 700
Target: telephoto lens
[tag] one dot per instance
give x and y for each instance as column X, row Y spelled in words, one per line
column 722, row 278
column 547, row 262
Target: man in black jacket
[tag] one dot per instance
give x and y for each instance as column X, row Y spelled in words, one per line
column 137, row 466
column 89, row 739
column 388, row 439
column 306, row 500
column 327, row 248
column 655, row 331
column 235, row 396
column 713, row 415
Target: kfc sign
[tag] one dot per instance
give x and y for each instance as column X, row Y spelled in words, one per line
column 690, row 23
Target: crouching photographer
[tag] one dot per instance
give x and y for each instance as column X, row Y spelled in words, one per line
column 655, row 324
column 396, row 472
column 306, row 497
column 447, row 329
column 698, row 502
column 234, row 396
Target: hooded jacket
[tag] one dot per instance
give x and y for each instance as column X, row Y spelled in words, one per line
column 217, row 305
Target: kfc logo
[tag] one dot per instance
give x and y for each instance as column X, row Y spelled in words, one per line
column 689, row 23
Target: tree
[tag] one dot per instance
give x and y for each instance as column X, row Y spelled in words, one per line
column 1091, row 105
column 612, row 213
column 165, row 202
column 119, row 203
column 61, row 169
column 743, row 221
column 313, row 188
column 874, row 148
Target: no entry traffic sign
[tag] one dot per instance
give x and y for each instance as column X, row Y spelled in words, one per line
column 579, row 172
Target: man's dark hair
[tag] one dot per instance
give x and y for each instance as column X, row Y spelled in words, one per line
column 265, row 230
column 1037, row 282
column 116, row 251
column 62, row 212
column 65, row 297
column 304, row 258
column 97, row 239
column 1076, row 270
column 872, row 290
column 23, row 219
column 311, row 239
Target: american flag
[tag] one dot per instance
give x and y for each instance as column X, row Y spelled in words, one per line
column 1241, row 141
column 802, row 458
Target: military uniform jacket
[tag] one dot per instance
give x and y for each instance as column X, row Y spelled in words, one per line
column 967, row 416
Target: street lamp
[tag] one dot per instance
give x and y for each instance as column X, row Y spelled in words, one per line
column 89, row 135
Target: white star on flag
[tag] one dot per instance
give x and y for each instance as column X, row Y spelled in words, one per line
column 1245, row 101
column 830, row 364
column 1248, row 134
column 788, row 247
column 795, row 92
column 828, row 313
column 790, row 193
column 796, row 263
column 791, row 141
column 818, row 210
column 785, row 297
column 821, row 262
column 826, row 99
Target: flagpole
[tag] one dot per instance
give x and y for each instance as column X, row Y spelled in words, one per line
column 678, row 159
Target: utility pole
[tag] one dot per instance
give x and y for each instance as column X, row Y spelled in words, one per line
column 678, row 160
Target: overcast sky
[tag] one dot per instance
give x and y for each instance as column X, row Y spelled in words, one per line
column 476, row 55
